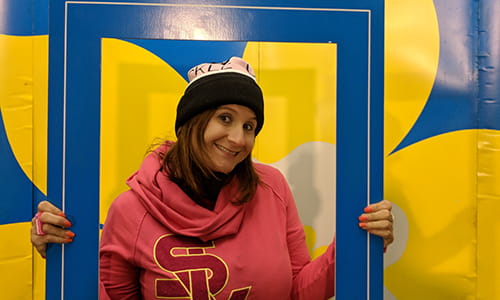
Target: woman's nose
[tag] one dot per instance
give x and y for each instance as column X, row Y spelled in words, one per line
column 237, row 136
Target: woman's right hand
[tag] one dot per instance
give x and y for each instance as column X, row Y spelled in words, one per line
column 49, row 226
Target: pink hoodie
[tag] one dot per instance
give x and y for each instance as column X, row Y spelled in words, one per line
column 159, row 244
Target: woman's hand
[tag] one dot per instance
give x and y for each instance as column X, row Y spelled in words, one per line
column 378, row 219
column 49, row 226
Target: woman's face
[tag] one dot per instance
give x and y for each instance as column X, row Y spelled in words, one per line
column 230, row 136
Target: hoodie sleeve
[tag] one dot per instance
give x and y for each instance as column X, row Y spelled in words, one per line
column 119, row 276
column 312, row 280
column 315, row 280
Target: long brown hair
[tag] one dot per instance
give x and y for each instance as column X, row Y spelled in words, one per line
column 187, row 162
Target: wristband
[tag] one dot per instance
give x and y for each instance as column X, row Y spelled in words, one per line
column 39, row 224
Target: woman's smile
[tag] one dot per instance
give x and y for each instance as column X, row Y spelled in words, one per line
column 224, row 149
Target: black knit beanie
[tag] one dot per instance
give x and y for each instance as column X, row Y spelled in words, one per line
column 215, row 84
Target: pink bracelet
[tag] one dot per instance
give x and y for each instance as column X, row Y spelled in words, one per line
column 39, row 224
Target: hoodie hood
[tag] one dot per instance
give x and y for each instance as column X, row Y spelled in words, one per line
column 173, row 208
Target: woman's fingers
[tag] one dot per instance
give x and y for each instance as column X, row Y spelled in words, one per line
column 47, row 207
column 378, row 219
column 57, row 220
column 382, row 225
column 49, row 226
column 57, row 232
column 383, row 214
column 49, row 214
column 377, row 211
column 383, row 228
column 381, row 205
column 53, row 235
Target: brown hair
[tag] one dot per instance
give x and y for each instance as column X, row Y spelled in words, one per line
column 186, row 161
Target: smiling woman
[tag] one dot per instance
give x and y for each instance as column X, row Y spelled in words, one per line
column 201, row 218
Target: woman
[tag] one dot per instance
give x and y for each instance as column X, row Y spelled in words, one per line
column 201, row 220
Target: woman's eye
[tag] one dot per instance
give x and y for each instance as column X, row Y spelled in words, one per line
column 249, row 127
column 225, row 118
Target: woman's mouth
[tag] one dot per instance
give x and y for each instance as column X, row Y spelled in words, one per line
column 224, row 149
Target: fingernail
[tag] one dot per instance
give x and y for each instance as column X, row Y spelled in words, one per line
column 67, row 223
column 62, row 214
column 363, row 218
column 70, row 234
column 368, row 209
column 67, row 241
column 362, row 225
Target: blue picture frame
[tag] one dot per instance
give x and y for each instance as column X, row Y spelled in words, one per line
column 75, row 32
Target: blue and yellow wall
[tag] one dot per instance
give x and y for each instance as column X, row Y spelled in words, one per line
column 442, row 137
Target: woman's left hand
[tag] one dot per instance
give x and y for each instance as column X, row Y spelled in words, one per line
column 378, row 219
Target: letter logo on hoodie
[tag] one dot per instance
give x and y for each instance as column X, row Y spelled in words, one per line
column 197, row 274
